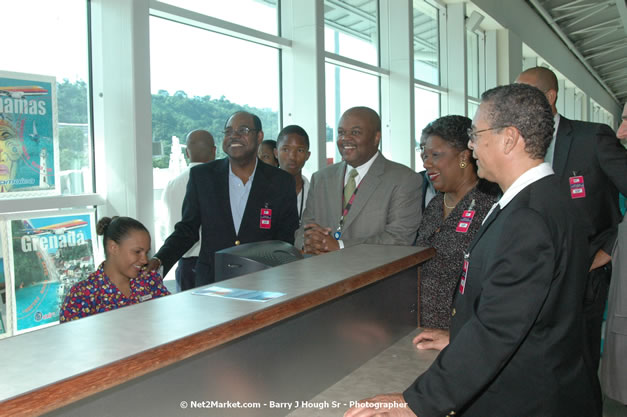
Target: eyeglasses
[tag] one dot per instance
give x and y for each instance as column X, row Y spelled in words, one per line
column 472, row 134
column 242, row 131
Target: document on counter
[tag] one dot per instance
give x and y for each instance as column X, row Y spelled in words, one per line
column 239, row 294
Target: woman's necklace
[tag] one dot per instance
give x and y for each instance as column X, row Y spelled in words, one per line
column 446, row 205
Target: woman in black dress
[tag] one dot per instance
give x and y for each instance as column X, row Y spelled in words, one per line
column 452, row 217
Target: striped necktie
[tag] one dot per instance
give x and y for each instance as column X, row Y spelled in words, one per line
column 350, row 186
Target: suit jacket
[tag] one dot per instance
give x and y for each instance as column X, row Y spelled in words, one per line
column 614, row 365
column 593, row 151
column 516, row 330
column 386, row 209
column 207, row 206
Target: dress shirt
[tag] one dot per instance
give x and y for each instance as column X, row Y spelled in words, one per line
column 551, row 150
column 528, row 177
column 238, row 194
column 302, row 197
column 362, row 170
column 173, row 196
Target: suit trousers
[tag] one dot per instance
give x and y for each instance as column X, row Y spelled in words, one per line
column 186, row 273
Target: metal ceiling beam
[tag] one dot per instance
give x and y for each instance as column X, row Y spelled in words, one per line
column 352, row 10
column 611, row 63
column 603, row 33
column 598, row 26
column 619, row 43
column 599, row 9
column 572, row 5
column 621, row 5
column 547, row 17
column 607, row 51
column 605, row 75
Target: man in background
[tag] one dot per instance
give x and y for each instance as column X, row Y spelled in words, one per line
column 363, row 199
column 292, row 152
column 233, row 201
column 200, row 148
column 592, row 167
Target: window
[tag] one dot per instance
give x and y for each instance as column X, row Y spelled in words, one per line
column 426, row 43
column 346, row 88
column 472, row 64
column 255, row 14
column 192, row 90
column 427, row 110
column 56, row 49
column 352, row 31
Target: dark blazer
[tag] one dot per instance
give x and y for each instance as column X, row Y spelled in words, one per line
column 516, row 331
column 207, row 205
column 593, row 151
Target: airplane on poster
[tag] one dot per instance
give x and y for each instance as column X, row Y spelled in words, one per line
column 23, row 91
column 57, row 229
column 35, row 136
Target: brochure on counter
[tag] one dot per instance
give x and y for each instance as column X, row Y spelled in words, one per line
column 239, row 294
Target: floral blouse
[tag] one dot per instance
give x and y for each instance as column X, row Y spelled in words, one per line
column 97, row 294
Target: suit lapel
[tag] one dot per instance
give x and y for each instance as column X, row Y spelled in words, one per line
column 367, row 187
column 258, row 191
column 222, row 191
column 562, row 145
column 484, row 227
column 335, row 191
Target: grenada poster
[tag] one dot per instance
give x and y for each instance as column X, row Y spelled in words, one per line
column 49, row 254
column 28, row 134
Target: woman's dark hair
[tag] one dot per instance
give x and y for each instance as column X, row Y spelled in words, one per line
column 452, row 129
column 117, row 229
column 272, row 144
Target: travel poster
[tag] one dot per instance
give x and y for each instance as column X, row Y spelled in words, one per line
column 28, row 134
column 49, row 254
column 3, row 294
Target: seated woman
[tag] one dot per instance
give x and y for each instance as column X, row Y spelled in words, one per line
column 452, row 217
column 121, row 279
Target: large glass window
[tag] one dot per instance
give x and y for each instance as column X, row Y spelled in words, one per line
column 47, row 51
column 427, row 110
column 346, row 88
column 192, row 90
column 426, row 43
column 472, row 63
column 352, row 30
column 255, row 14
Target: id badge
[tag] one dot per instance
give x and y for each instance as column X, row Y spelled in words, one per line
column 265, row 220
column 145, row 297
column 577, row 187
column 464, row 222
column 462, row 281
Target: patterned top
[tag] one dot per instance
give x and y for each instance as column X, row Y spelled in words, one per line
column 97, row 294
column 439, row 275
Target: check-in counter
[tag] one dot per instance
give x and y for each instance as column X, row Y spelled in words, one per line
column 191, row 355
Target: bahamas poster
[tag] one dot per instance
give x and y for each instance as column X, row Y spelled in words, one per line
column 29, row 156
column 49, row 255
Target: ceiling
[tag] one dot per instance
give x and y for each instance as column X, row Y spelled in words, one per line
column 596, row 32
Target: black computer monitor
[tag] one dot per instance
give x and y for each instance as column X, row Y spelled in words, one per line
column 252, row 257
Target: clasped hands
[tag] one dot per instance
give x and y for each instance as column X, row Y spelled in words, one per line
column 319, row 239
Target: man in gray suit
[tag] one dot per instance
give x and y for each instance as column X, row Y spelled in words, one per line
column 363, row 199
column 613, row 364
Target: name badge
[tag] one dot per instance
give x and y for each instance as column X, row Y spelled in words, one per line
column 462, row 282
column 464, row 222
column 145, row 297
column 265, row 220
column 577, row 187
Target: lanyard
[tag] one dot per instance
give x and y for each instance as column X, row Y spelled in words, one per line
column 302, row 200
column 345, row 210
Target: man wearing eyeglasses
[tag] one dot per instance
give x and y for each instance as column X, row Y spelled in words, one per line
column 592, row 166
column 234, row 200
column 516, row 327
column 363, row 199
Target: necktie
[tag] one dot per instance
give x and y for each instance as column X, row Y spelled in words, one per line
column 350, row 186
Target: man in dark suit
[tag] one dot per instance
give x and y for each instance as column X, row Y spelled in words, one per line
column 592, row 167
column 517, row 315
column 234, row 200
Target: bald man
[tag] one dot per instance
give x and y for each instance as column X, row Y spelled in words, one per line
column 592, row 166
column 200, row 149
column 363, row 199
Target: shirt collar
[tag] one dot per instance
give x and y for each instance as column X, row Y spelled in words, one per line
column 233, row 176
column 362, row 170
column 530, row 176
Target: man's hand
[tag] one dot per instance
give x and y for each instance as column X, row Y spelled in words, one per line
column 385, row 405
column 436, row 339
column 600, row 258
column 318, row 239
column 153, row 265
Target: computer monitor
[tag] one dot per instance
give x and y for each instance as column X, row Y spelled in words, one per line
column 252, row 257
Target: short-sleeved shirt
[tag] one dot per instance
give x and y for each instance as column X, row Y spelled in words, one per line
column 97, row 294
